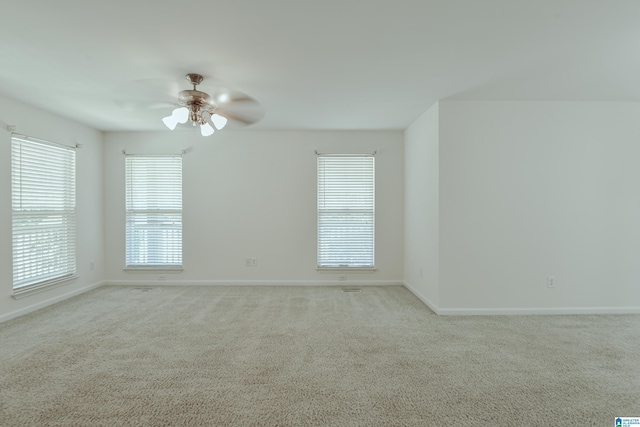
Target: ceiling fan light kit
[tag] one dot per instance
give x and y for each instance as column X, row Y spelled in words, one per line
column 199, row 108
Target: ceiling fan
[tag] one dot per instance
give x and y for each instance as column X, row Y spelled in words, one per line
column 212, row 112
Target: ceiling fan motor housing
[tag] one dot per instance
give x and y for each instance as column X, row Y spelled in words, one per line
column 194, row 97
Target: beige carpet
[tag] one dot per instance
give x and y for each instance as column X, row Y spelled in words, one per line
column 298, row 356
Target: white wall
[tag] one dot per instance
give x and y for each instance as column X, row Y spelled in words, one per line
column 253, row 194
column 33, row 122
column 536, row 189
column 421, row 209
column 499, row 196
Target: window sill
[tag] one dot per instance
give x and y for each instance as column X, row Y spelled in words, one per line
column 343, row 269
column 154, row 269
column 28, row 290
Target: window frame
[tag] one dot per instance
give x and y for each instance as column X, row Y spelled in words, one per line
column 156, row 209
column 326, row 208
column 43, row 214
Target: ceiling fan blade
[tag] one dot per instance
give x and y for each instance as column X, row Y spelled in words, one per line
column 235, row 119
column 147, row 94
column 242, row 113
column 236, row 106
column 133, row 105
column 227, row 96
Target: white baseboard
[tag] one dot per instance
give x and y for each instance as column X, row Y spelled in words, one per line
column 345, row 283
column 422, row 298
column 43, row 304
column 536, row 311
column 519, row 311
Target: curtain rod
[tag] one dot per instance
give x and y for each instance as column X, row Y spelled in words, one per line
column 43, row 141
column 185, row 151
column 345, row 155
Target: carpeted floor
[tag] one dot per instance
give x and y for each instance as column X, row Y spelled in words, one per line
column 309, row 356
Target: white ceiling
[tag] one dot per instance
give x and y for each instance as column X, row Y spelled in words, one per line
column 332, row 64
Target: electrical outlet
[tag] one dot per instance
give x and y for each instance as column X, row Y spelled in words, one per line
column 254, row 262
column 551, row 282
column 91, row 265
column 247, row 262
column 162, row 277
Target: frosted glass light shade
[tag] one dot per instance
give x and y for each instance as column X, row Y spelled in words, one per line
column 218, row 121
column 181, row 114
column 206, row 129
column 170, row 121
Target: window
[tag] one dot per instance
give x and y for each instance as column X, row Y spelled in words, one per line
column 346, row 211
column 43, row 213
column 154, row 211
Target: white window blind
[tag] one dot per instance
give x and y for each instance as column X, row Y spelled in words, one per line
column 346, row 211
column 153, row 211
column 43, row 204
